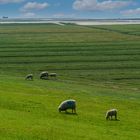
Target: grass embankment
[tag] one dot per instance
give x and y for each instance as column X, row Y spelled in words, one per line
column 97, row 67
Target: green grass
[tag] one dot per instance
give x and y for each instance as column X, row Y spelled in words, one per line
column 98, row 66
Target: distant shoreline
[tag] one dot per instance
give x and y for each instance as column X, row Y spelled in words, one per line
column 108, row 23
column 78, row 22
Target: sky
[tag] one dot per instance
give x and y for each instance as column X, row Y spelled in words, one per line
column 90, row 9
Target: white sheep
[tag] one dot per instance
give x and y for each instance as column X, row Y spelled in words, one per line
column 29, row 77
column 44, row 75
column 67, row 104
column 110, row 113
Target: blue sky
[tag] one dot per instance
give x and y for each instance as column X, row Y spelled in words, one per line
column 70, row 8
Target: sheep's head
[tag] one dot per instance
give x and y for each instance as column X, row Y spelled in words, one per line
column 107, row 117
column 59, row 109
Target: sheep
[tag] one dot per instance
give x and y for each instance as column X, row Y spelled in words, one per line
column 68, row 104
column 110, row 113
column 53, row 75
column 29, row 77
column 44, row 75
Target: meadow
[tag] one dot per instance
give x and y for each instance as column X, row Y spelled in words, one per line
column 98, row 66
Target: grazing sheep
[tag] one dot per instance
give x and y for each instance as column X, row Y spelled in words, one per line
column 44, row 75
column 110, row 113
column 68, row 104
column 29, row 77
column 53, row 75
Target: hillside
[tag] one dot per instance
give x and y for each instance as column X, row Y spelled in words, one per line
column 98, row 66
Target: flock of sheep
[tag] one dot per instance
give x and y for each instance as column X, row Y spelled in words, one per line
column 43, row 75
column 70, row 104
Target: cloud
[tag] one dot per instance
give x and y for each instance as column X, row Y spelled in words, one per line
column 29, row 14
column 131, row 12
column 10, row 1
column 34, row 6
column 59, row 15
column 95, row 5
column 63, row 15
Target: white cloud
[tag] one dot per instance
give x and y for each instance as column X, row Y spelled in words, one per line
column 95, row 5
column 10, row 1
column 63, row 15
column 34, row 6
column 59, row 15
column 29, row 14
column 131, row 12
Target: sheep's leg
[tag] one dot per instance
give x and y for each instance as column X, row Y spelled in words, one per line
column 75, row 111
column 116, row 117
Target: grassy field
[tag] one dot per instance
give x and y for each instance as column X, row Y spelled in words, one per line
column 98, row 66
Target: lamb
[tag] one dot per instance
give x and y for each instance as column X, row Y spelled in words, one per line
column 29, row 77
column 44, row 75
column 68, row 104
column 110, row 113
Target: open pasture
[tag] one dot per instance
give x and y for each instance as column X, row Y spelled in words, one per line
column 98, row 66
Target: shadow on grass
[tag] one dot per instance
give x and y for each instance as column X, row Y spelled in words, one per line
column 113, row 120
column 68, row 113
